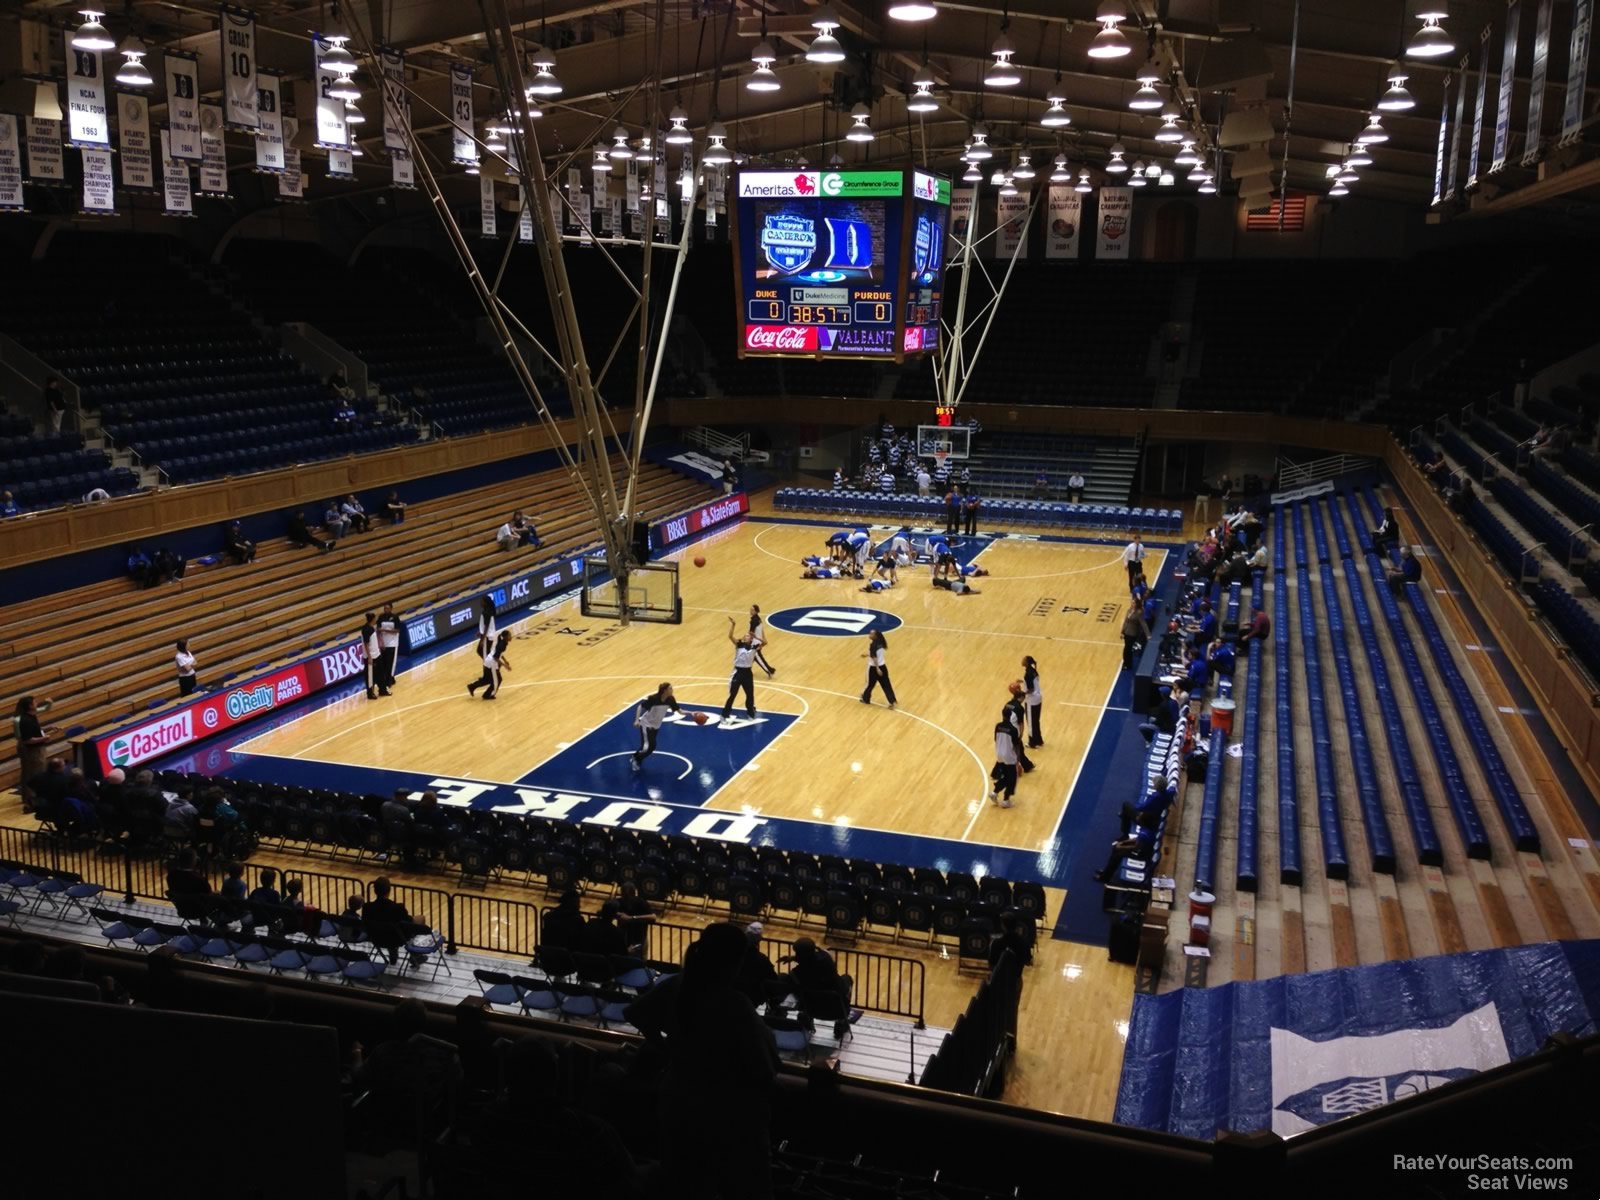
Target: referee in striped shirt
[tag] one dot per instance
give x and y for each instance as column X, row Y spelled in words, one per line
column 647, row 719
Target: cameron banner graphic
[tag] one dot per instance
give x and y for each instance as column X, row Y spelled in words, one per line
column 1115, row 224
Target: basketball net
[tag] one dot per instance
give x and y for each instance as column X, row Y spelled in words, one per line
column 939, row 457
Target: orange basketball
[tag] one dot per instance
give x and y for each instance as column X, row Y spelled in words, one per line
column 699, row 560
column 700, row 718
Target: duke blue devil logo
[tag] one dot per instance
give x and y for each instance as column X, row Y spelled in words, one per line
column 788, row 241
column 827, row 620
column 1357, row 1093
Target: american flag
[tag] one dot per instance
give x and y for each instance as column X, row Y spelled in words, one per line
column 1294, row 215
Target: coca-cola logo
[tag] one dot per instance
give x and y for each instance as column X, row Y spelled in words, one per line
column 770, row 339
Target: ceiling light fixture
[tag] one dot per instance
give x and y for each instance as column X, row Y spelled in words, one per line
column 544, row 82
column 1373, row 134
column 92, row 35
column 1208, row 188
column 1007, row 188
column 859, row 130
column 1346, row 174
column 825, row 48
column 1060, row 174
column 921, row 101
column 717, row 153
column 980, row 144
column 1116, row 166
column 133, row 73
column 1148, row 97
column 337, row 57
column 1110, row 42
column 619, row 145
column 1431, row 41
column 912, row 10
column 1003, row 73
column 763, row 78
column 353, row 115
column 1358, row 156
column 1023, row 168
column 1056, row 115
column 1397, row 98
column 1153, row 171
column 345, row 88
column 679, row 134
column 1186, row 157
column 1169, row 131
column 972, row 174
column 1083, row 184
column 1338, row 189
column 1167, row 179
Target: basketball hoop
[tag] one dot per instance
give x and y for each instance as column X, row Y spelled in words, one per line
column 939, row 457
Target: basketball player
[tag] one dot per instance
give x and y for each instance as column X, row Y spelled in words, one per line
column 486, row 629
column 838, row 545
column 1015, row 715
column 647, row 719
column 371, row 651
column 815, row 570
column 900, row 547
column 1035, row 698
column 743, row 677
column 494, row 663
column 388, row 646
column 878, row 668
column 887, row 567
column 860, row 545
column 957, row 585
column 758, row 638
column 1004, row 771
column 971, row 570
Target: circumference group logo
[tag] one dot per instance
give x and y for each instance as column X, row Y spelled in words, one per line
column 828, row 620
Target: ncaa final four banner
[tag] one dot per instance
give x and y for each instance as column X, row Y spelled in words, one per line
column 183, row 106
column 1115, row 224
column 133, row 143
column 269, row 127
column 99, row 194
column 462, row 148
column 240, row 90
column 10, row 166
column 46, row 163
column 486, row 213
column 1063, row 219
column 88, row 123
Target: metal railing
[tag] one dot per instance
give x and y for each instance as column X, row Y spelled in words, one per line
column 1291, row 474
column 509, row 927
column 718, row 443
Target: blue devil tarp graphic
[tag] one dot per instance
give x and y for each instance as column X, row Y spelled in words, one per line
column 1355, row 1093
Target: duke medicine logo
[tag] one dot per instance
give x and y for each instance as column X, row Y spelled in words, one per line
column 829, row 620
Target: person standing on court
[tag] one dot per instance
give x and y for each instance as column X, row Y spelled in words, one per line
column 1004, row 772
column 1135, row 636
column 647, row 719
column 1133, row 558
column 370, row 652
column 388, row 646
column 1035, row 698
column 969, row 507
column 952, row 511
column 758, row 639
column 486, row 629
column 1015, row 715
column 184, row 661
column 878, row 668
column 494, row 663
column 744, row 655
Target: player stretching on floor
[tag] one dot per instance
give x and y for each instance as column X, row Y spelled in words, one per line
column 744, row 655
column 647, row 720
column 815, row 570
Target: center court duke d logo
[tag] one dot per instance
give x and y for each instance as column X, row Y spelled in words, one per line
column 829, row 620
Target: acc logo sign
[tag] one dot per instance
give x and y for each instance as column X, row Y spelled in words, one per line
column 831, row 621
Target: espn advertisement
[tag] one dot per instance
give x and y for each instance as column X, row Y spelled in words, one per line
column 675, row 529
column 217, row 711
column 509, row 596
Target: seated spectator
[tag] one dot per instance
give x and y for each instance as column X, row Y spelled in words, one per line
column 1041, row 486
column 838, row 480
column 1409, row 571
column 334, row 520
column 300, row 533
column 1139, row 843
column 1075, row 486
column 601, row 934
column 386, row 919
column 636, row 916
column 517, row 531
column 1258, row 560
column 169, row 565
column 432, row 826
column 395, row 817
column 1205, row 628
column 96, row 496
column 814, row 970
column 1198, row 672
column 1459, row 495
column 394, row 508
column 77, row 815
column 340, row 384
column 411, row 1072
column 265, row 901
column 563, row 925
column 352, row 511
column 179, row 821
column 1152, row 806
column 1388, row 531
column 294, row 894
column 1219, row 657
column 352, row 909
column 1260, row 625
column 184, row 877
column 140, row 569
column 144, row 808
column 8, row 505
column 238, row 547
column 233, row 885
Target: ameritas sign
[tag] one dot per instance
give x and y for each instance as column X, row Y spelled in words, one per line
column 812, row 185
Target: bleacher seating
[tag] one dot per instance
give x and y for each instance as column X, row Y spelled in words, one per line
column 50, row 469
column 1007, row 464
column 1289, row 865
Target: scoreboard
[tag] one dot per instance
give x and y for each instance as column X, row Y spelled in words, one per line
column 839, row 264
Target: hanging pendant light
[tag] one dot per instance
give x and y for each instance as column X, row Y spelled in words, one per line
column 1346, row 174
column 1148, row 97
column 1358, row 156
column 679, row 134
column 1199, row 175
column 602, row 160
column 1374, row 134
column 981, row 150
column 1110, row 42
column 1397, row 98
column 1208, row 188
column 859, row 130
column 1116, row 166
column 1003, row 73
column 1083, row 184
column 763, row 78
column 345, row 88
column 1153, row 171
column 1187, row 156
column 133, row 73
column 492, row 141
column 353, row 114
column 544, row 82
column 1431, row 41
column 972, row 174
column 337, row 57
column 92, row 35
column 1137, row 179
column 1023, row 167
column 717, row 153
column 1338, row 189
column 825, row 48
column 1056, row 115
column 1060, row 173
column 1007, row 188
column 1167, row 179
column 911, row 10
column 921, row 101
column 1169, row 131
column 620, row 150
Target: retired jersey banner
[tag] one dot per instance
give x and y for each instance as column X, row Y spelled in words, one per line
column 1011, row 226
column 630, row 186
column 332, row 130
column 1444, row 136
column 1577, row 70
column 178, row 199
column 462, row 148
column 183, row 106
column 1116, row 222
column 133, row 143
column 1508, row 66
column 403, row 172
column 1062, row 221
column 99, row 193
column 240, row 89
column 269, row 128
column 524, row 218
column 88, row 123
column 10, row 165
column 1454, row 162
column 291, row 183
column 214, row 156
column 46, row 163
column 396, row 109
column 486, row 210
column 341, row 164
column 1534, row 143
column 1477, row 112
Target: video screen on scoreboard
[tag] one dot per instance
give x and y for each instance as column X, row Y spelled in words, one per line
column 924, row 290
column 819, row 262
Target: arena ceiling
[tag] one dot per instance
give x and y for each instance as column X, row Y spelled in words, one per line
column 1218, row 57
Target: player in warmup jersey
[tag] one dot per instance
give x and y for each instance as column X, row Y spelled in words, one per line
column 388, row 647
column 971, row 571
column 813, row 569
column 743, row 678
column 900, row 547
column 494, row 662
column 647, row 719
column 860, row 543
column 758, row 638
column 939, row 553
column 1004, row 771
column 1035, row 698
column 886, row 567
column 838, row 545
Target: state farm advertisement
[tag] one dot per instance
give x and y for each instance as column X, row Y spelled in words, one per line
column 675, row 529
column 214, row 712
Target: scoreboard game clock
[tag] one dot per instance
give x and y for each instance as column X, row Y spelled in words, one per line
column 839, row 264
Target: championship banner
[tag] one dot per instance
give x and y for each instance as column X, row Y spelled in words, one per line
column 616, row 217
column 659, row 191
column 183, row 106
column 602, row 202
column 1534, row 142
column 133, row 143
column 88, row 123
column 1011, row 225
column 1116, row 222
column 1477, row 112
column 341, row 164
column 240, row 87
column 10, row 166
column 332, row 131
column 1577, row 70
column 583, row 215
column 269, row 129
column 963, row 203
column 179, row 200
column 46, row 163
column 291, row 182
column 574, row 198
column 1444, row 130
column 1508, row 65
column 463, row 149
column 99, row 194
column 524, row 218
column 486, row 212
column 1064, row 216
column 396, row 110
column 403, row 172
column 214, row 157
column 630, row 186
column 1455, row 134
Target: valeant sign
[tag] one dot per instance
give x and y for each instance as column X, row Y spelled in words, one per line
column 217, row 711
column 675, row 529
